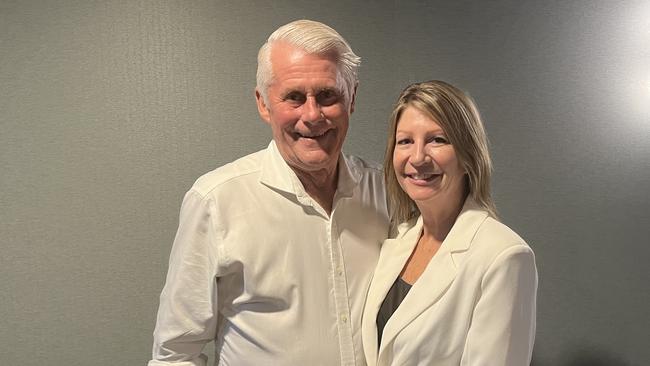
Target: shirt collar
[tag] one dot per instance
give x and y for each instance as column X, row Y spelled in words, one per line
column 277, row 174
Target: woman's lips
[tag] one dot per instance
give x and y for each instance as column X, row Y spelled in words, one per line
column 422, row 178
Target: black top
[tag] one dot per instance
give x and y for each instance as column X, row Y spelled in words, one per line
column 394, row 297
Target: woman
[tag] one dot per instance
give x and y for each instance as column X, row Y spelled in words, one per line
column 454, row 286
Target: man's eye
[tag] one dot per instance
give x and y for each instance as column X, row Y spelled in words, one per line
column 295, row 97
column 327, row 97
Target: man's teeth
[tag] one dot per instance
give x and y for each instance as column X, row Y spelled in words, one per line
column 311, row 136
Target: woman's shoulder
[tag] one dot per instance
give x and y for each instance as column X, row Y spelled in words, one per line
column 496, row 237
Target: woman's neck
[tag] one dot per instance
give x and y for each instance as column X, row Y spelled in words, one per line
column 438, row 216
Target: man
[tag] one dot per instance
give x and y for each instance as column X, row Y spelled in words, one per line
column 274, row 252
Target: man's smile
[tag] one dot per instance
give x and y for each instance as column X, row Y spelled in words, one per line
column 313, row 135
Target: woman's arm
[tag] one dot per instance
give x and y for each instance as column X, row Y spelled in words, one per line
column 502, row 331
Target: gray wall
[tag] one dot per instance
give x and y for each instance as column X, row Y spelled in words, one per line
column 110, row 109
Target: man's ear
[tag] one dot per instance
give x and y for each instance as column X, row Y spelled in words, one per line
column 261, row 107
column 353, row 98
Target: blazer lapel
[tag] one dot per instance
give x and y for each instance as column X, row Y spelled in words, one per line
column 393, row 257
column 431, row 285
column 438, row 275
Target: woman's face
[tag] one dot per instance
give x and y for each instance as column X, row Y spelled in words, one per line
column 425, row 162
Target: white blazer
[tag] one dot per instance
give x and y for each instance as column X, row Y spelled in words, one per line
column 474, row 304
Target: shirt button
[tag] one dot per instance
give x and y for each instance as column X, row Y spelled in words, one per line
column 344, row 318
column 339, row 271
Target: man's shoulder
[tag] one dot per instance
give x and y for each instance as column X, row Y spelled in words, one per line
column 235, row 172
column 363, row 166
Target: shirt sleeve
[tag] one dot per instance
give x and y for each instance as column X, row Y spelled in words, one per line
column 502, row 331
column 188, row 314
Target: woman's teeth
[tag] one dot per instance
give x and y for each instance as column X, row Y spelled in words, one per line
column 421, row 176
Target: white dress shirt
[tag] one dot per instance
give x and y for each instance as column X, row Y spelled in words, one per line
column 260, row 268
column 474, row 304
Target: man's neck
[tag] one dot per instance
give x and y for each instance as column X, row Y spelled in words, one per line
column 321, row 186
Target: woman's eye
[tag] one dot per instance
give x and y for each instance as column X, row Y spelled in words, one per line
column 439, row 140
column 403, row 141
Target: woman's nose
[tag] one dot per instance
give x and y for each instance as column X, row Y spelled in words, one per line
column 420, row 155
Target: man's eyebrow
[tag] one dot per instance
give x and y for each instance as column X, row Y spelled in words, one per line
column 334, row 89
column 293, row 89
column 300, row 90
column 290, row 91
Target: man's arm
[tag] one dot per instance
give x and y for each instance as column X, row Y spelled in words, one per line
column 187, row 316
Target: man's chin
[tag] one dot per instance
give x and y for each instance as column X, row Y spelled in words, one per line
column 315, row 161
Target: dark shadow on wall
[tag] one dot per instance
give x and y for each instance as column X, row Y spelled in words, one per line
column 586, row 356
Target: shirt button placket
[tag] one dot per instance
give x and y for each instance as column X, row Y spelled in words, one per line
column 340, row 297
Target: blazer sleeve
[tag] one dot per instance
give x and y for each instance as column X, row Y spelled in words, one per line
column 188, row 315
column 502, row 330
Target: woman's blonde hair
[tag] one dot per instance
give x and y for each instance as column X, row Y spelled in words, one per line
column 459, row 118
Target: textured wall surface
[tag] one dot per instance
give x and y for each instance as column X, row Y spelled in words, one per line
column 110, row 109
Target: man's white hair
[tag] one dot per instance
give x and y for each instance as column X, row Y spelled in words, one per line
column 314, row 38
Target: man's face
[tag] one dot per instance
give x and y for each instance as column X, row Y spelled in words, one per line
column 307, row 109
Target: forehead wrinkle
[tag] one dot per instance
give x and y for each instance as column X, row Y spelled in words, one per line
column 314, row 89
column 294, row 69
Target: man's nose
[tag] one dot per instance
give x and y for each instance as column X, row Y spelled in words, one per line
column 311, row 111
